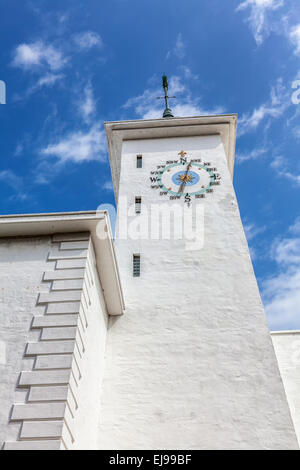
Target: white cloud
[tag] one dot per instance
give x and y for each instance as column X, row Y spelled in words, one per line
column 281, row 292
column 295, row 228
column 251, row 231
column 296, row 132
column 79, row 146
column 49, row 79
column 87, row 40
column 294, row 36
column 11, row 179
column 176, row 85
column 281, row 166
column 253, row 254
column 188, row 73
column 15, row 182
column 251, row 121
column 281, row 296
column 107, row 185
column 147, row 106
column 37, row 55
column 19, row 149
column 259, row 20
column 87, row 103
column 251, row 155
column 286, row 252
column 179, row 48
column 278, row 102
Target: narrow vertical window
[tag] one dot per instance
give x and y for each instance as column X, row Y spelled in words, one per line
column 136, row 265
column 138, row 205
column 139, row 161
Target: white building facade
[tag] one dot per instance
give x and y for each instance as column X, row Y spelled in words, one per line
column 181, row 356
column 59, row 285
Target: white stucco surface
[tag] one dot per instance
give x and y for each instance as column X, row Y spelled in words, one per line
column 191, row 363
column 287, row 349
column 22, row 263
column 61, row 382
column 87, row 416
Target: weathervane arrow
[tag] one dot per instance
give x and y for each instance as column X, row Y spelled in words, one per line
column 167, row 111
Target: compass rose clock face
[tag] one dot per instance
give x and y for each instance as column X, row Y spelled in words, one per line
column 185, row 178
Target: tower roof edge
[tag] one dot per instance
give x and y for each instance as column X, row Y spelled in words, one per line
column 117, row 131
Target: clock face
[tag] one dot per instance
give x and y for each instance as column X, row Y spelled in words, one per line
column 185, row 178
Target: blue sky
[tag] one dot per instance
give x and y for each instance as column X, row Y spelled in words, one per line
column 69, row 66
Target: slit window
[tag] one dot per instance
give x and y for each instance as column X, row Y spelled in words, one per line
column 139, row 161
column 136, row 265
column 138, row 205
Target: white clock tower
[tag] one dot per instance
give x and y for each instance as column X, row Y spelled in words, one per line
column 190, row 365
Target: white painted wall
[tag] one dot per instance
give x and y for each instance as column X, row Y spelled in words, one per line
column 22, row 264
column 191, row 363
column 92, row 367
column 287, row 349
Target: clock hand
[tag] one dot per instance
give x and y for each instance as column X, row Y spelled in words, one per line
column 182, row 186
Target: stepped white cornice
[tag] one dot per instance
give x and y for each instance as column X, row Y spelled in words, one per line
column 72, row 222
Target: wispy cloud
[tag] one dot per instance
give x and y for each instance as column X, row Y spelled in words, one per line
column 283, row 169
column 107, row 186
column 15, row 182
column 281, row 292
column 263, row 20
column 251, row 155
column 87, row 39
column 278, row 102
column 296, row 132
column 188, row 74
column 147, row 106
column 37, row 55
column 87, row 103
column 259, row 20
column 252, row 231
column 178, row 50
column 47, row 80
column 11, row 179
column 295, row 227
column 79, row 146
column 43, row 62
column 294, row 35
